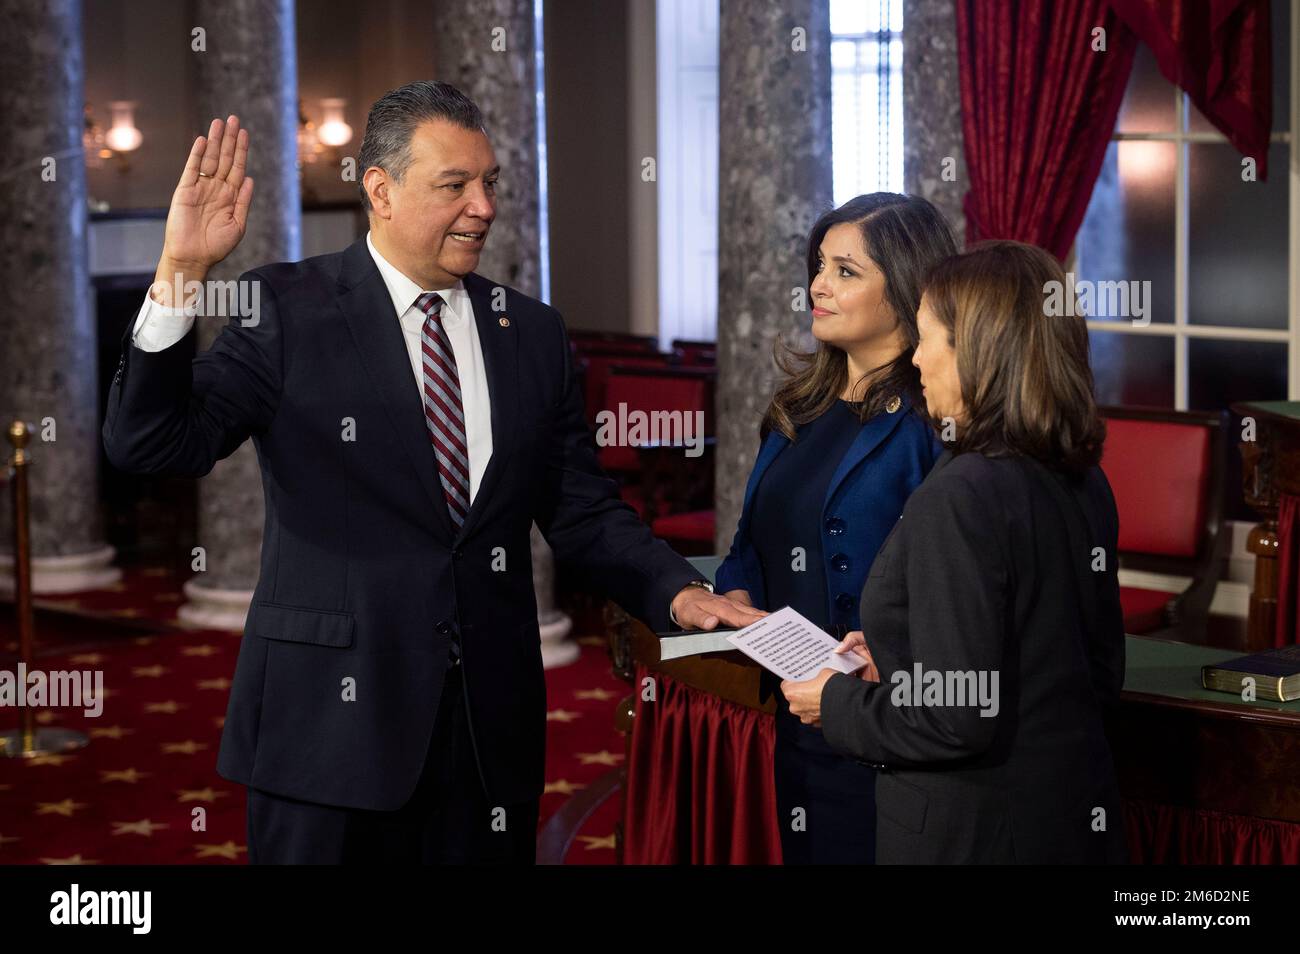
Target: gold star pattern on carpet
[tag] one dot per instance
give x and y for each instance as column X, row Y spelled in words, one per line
column 6, row 840
column 600, row 695
column 561, row 787
column 152, row 672
column 87, row 659
column 188, row 747
column 110, row 732
column 170, row 707
column 123, row 775
column 561, row 715
column 228, row 850
column 221, row 683
column 199, row 795
column 142, row 827
column 73, row 860
column 204, row 650
column 603, row 757
column 593, row 842
column 64, row 808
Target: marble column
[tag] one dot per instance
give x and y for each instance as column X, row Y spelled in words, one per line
column 249, row 68
column 934, row 163
column 488, row 49
column 774, row 180
column 48, row 372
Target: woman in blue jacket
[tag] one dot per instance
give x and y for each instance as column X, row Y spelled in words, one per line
column 845, row 440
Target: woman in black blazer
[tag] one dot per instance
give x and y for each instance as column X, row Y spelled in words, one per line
column 991, row 614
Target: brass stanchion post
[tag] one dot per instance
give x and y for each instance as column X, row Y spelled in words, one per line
column 28, row 741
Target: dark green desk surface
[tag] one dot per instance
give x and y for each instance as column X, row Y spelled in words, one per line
column 1285, row 410
column 1158, row 668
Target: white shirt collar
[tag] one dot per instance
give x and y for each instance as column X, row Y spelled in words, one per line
column 401, row 289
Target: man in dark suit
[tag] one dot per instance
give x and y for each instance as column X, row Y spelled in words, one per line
column 412, row 420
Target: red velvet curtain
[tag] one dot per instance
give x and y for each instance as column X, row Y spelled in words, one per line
column 1288, row 571
column 1038, row 109
column 1220, row 53
column 699, row 780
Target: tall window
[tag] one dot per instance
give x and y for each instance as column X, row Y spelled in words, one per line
column 866, row 96
column 1221, row 253
column 1171, row 207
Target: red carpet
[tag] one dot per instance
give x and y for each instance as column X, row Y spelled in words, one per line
column 132, row 796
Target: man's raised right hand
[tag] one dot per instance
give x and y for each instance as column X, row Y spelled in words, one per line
column 209, row 210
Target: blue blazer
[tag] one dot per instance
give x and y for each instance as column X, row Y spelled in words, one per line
column 888, row 459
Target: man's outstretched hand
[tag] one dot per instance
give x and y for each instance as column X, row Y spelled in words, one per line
column 209, row 209
column 697, row 608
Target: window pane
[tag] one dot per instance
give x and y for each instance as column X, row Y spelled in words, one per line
column 1281, row 26
column 1237, row 240
column 1133, row 369
column 1224, row 372
column 1149, row 100
column 1128, row 232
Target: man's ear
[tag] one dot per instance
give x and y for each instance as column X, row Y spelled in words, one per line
column 376, row 182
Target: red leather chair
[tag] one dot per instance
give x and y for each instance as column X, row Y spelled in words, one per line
column 695, row 354
column 595, row 368
column 654, row 390
column 670, row 491
column 612, row 341
column 1166, row 469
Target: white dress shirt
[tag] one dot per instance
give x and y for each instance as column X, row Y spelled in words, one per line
column 158, row 328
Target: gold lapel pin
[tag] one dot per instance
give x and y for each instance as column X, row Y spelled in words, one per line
column 504, row 321
column 893, row 404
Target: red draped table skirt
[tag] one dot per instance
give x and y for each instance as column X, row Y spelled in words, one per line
column 699, row 791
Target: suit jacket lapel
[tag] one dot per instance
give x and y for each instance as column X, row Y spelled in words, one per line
column 500, row 346
column 869, row 438
column 377, row 333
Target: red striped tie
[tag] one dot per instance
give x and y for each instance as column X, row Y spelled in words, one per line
column 443, row 412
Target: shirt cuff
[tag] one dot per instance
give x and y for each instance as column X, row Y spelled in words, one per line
column 158, row 327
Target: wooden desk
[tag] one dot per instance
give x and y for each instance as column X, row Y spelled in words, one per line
column 1196, row 761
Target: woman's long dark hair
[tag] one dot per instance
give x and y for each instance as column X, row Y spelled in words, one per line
column 905, row 236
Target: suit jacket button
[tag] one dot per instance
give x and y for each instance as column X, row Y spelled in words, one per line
column 844, row 602
column 840, row 562
column 834, row 526
column 443, row 627
column 458, row 554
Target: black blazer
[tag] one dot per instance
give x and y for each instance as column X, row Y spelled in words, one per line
column 362, row 576
column 984, row 572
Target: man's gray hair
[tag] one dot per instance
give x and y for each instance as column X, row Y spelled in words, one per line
column 393, row 120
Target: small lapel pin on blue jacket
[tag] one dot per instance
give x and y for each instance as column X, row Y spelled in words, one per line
column 504, row 321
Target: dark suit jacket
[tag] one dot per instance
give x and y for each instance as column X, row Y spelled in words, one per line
column 362, row 575
column 983, row 572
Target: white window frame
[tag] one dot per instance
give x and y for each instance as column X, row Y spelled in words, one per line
column 860, row 40
column 1181, row 330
